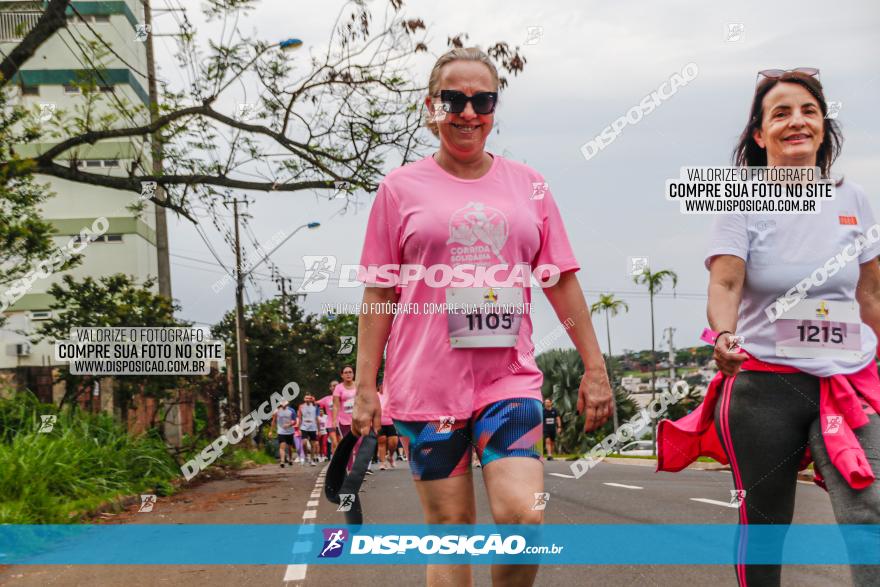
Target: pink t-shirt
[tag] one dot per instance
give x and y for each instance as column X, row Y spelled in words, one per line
column 426, row 216
column 346, row 398
column 326, row 402
column 383, row 401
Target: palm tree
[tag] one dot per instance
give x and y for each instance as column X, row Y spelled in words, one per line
column 562, row 369
column 611, row 306
column 654, row 283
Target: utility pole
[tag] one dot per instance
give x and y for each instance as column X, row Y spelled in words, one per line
column 283, row 282
column 244, row 388
column 670, row 331
column 163, row 262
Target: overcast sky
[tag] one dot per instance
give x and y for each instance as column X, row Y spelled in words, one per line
column 594, row 61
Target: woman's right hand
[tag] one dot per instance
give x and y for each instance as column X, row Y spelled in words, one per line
column 367, row 411
column 728, row 361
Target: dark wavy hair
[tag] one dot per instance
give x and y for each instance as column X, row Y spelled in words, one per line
column 749, row 154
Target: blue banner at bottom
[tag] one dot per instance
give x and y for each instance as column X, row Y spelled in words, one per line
column 418, row 544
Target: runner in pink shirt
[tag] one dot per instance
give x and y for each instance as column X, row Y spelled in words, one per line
column 480, row 226
column 343, row 401
column 326, row 402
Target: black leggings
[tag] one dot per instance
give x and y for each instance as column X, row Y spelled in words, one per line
column 767, row 421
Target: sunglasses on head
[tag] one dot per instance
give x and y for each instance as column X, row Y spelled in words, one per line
column 455, row 101
column 778, row 73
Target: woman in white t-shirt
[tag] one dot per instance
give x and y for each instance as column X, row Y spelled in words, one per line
column 803, row 290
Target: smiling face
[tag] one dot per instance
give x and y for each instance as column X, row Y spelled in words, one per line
column 464, row 135
column 792, row 126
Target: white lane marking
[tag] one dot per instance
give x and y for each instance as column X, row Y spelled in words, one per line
column 563, row 475
column 723, row 504
column 295, row 572
column 298, row 572
column 623, row 486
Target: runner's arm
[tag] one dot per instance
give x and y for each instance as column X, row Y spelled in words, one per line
column 868, row 294
column 594, row 395
column 569, row 304
column 727, row 273
column 337, row 405
column 373, row 332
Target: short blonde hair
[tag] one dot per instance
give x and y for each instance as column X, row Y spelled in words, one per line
column 457, row 54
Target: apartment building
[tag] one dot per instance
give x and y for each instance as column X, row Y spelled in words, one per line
column 48, row 82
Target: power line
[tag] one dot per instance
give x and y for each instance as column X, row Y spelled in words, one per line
column 211, row 247
column 97, row 71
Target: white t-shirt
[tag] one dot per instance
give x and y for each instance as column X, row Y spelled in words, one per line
column 781, row 250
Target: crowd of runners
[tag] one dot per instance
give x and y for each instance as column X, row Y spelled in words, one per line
column 312, row 429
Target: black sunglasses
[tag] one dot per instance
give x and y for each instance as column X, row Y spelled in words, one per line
column 455, row 101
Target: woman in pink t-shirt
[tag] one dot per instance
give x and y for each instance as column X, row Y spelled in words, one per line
column 343, row 401
column 326, row 403
column 470, row 230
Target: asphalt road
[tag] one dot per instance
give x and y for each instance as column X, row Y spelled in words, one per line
column 613, row 493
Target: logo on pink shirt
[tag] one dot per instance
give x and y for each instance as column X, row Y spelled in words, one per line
column 476, row 223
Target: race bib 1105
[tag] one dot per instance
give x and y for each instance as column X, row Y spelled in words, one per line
column 484, row 317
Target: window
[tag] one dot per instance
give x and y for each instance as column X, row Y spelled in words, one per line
column 100, row 238
column 41, row 314
column 105, row 89
column 71, row 89
column 111, row 162
column 78, row 19
column 102, row 18
column 30, row 90
column 93, row 163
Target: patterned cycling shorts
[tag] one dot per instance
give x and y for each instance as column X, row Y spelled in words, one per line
column 443, row 448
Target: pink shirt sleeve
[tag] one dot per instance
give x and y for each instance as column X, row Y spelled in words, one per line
column 555, row 252
column 382, row 241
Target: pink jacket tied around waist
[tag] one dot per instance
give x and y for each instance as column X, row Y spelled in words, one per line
column 681, row 442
